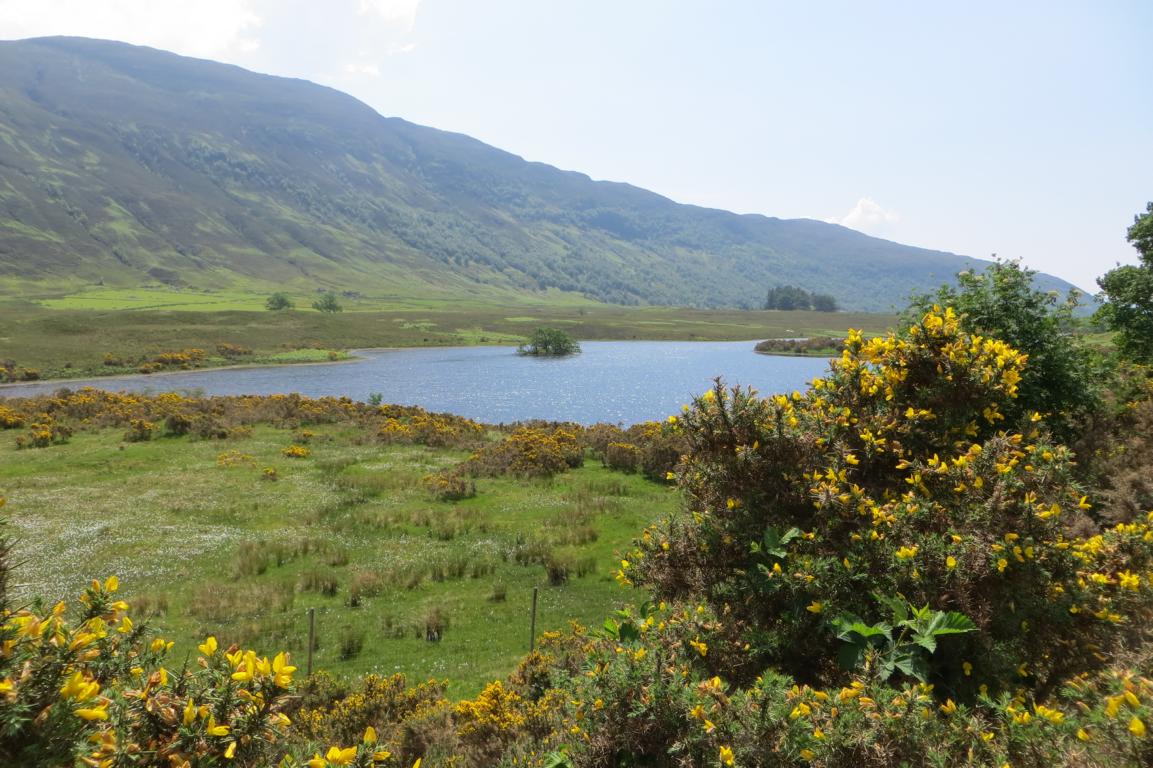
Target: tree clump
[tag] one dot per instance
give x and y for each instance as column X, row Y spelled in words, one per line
column 1128, row 294
column 549, row 342
column 790, row 297
column 278, row 302
column 327, row 303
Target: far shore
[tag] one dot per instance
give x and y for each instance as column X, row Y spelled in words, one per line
column 353, row 357
column 207, row 369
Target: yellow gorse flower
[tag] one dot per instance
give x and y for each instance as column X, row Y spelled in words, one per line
column 208, row 647
column 93, row 713
column 79, row 688
column 906, row 552
column 340, row 756
column 212, row 729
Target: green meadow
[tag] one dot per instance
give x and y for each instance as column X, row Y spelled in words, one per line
column 73, row 336
column 205, row 541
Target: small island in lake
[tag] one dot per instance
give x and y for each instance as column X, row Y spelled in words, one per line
column 549, row 342
column 815, row 346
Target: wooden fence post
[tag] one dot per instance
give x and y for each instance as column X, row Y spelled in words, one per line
column 532, row 631
column 311, row 639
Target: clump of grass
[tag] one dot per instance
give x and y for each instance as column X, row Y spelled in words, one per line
column 337, row 557
column 391, row 628
column 316, row 580
column 254, row 558
column 374, row 484
column 499, row 592
column 482, row 567
column 351, row 643
column 221, row 603
column 434, row 624
column 364, row 584
column 585, row 566
column 531, row 551
column 150, row 605
column 558, row 568
column 450, row 567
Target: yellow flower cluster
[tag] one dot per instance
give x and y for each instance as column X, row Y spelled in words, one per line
column 228, row 706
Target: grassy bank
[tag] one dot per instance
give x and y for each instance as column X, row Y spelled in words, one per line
column 204, row 542
column 73, row 343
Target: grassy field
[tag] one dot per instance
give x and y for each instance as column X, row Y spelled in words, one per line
column 204, row 542
column 69, row 343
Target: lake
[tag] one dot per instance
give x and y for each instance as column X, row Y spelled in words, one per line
column 611, row 381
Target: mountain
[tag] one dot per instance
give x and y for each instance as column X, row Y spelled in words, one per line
column 125, row 165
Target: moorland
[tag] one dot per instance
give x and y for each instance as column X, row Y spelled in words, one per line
column 938, row 554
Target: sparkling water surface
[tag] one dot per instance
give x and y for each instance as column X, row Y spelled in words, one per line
column 621, row 382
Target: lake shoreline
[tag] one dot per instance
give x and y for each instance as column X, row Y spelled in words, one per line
column 207, row 369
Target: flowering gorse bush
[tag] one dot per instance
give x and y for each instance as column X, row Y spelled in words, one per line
column 222, row 417
column 93, row 688
column 895, row 477
column 534, row 450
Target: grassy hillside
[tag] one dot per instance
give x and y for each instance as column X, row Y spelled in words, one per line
column 123, row 166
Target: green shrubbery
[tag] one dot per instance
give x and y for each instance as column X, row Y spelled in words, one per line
column 549, row 342
column 1063, row 378
column 1128, row 294
column 883, row 570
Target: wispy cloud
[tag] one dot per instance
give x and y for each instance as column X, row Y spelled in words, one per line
column 362, row 69
column 208, row 28
column 869, row 217
column 399, row 12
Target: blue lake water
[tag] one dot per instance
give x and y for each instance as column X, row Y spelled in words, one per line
column 611, row 381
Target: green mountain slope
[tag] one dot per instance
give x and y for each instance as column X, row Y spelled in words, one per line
column 124, row 165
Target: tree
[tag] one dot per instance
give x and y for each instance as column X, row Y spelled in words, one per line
column 549, row 342
column 823, row 302
column 787, row 297
column 327, row 303
column 279, row 301
column 1061, row 375
column 1128, row 294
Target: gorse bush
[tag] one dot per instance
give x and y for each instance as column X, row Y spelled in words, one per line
column 224, row 417
column 1063, row 377
column 94, row 689
column 651, row 447
column 533, row 450
column 450, row 486
column 896, row 478
column 10, row 419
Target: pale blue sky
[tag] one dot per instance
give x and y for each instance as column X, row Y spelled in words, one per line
column 1018, row 128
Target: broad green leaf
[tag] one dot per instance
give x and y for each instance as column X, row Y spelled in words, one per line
column 849, row 656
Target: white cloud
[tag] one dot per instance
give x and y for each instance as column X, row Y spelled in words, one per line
column 206, row 28
column 399, row 12
column 362, row 69
column 869, row 217
column 397, row 50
